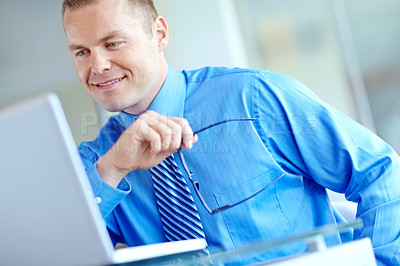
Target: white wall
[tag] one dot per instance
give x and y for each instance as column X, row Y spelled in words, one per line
column 34, row 58
column 202, row 33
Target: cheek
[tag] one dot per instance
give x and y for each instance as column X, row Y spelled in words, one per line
column 83, row 72
column 125, row 60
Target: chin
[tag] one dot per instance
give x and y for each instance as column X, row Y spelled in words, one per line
column 111, row 103
column 111, row 107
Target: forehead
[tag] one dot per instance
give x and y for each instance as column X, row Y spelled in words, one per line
column 94, row 21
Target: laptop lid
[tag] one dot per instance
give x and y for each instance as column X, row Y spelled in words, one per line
column 47, row 208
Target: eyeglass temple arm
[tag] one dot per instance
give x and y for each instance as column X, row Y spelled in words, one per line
column 243, row 200
column 222, row 122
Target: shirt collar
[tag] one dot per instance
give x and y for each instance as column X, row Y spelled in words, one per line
column 169, row 101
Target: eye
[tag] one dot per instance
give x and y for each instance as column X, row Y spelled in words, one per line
column 80, row 53
column 112, row 44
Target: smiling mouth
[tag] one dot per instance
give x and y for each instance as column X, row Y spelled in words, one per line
column 109, row 83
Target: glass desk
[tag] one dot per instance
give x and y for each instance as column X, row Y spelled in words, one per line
column 353, row 253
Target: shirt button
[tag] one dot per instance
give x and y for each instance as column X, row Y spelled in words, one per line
column 97, row 200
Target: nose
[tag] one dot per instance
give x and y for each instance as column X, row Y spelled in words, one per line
column 99, row 62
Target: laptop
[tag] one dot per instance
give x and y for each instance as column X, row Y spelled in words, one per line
column 48, row 215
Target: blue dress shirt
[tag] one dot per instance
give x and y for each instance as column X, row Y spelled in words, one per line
column 295, row 133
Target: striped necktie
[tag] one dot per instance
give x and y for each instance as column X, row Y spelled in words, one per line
column 178, row 211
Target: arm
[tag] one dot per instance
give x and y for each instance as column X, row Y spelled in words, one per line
column 117, row 152
column 310, row 138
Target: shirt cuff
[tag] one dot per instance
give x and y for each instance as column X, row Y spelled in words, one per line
column 106, row 196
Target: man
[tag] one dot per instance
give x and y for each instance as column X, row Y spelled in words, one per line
column 278, row 164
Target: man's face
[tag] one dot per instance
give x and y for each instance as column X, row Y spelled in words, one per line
column 121, row 66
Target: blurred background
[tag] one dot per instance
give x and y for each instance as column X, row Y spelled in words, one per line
column 346, row 51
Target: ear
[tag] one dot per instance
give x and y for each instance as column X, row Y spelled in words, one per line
column 161, row 32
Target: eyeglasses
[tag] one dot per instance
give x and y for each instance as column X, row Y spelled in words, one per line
column 196, row 183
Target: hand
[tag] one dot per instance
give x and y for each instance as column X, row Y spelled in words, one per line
column 145, row 144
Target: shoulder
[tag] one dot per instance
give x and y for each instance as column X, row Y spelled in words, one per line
column 227, row 82
column 241, row 76
column 220, row 73
column 244, row 80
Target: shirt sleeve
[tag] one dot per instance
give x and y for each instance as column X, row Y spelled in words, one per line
column 308, row 137
column 106, row 196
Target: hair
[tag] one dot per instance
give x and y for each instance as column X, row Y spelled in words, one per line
column 143, row 9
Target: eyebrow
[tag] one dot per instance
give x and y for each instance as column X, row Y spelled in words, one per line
column 109, row 36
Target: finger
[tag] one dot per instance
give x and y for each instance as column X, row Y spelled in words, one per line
column 176, row 127
column 159, row 123
column 177, row 136
column 152, row 140
column 195, row 138
column 174, row 131
column 188, row 139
